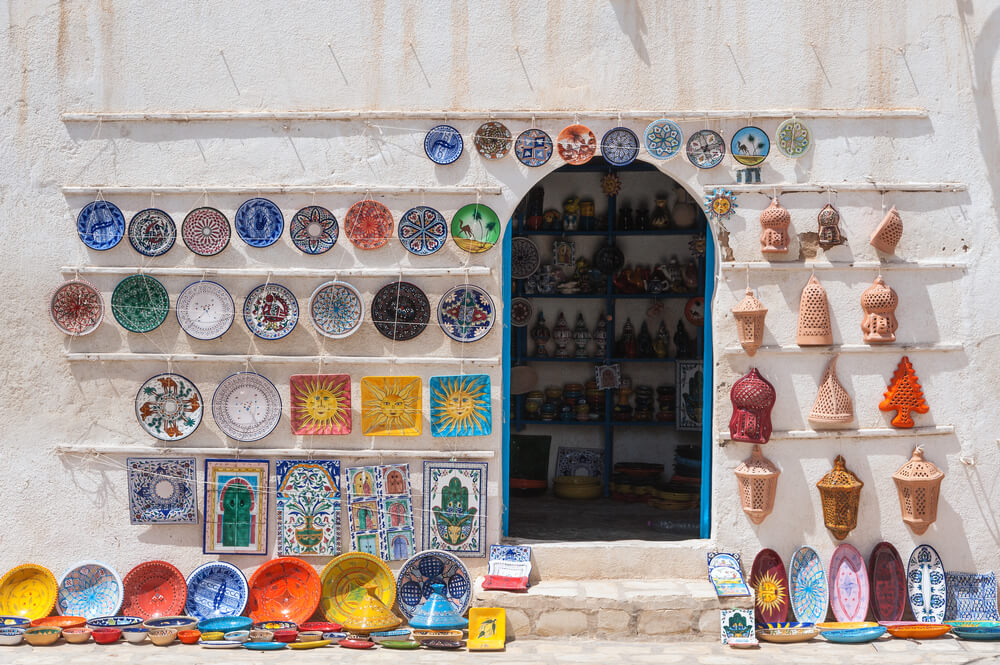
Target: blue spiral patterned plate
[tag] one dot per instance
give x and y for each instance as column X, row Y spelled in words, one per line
column 533, row 147
column 443, row 144
column 90, row 589
column 420, row 571
column 663, row 138
column 216, row 589
column 423, row 230
column 152, row 232
column 620, row 146
column 101, row 225
column 336, row 309
column 810, row 594
column 225, row 624
column 259, row 222
column 466, row 313
column 271, row 311
column 314, row 230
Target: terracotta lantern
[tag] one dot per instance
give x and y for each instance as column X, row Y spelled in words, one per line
column 758, row 482
column 774, row 220
column 753, row 398
column 749, row 315
column 832, row 404
column 887, row 234
column 814, row 316
column 829, row 227
column 879, row 303
column 918, row 483
column 840, row 492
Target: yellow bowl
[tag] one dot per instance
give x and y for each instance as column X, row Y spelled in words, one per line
column 577, row 487
column 213, row 636
column 42, row 636
column 28, row 591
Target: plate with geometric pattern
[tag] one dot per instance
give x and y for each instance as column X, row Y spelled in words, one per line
column 152, row 232
column 420, row 571
column 466, row 313
column 246, row 406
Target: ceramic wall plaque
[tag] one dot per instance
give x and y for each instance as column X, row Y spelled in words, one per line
column 705, row 149
column 161, row 490
column 380, row 505
column 76, row 307
column 689, row 394
column 620, row 146
column 140, row 303
column 271, row 311
column 205, row 231
column 725, row 572
column 466, row 313
column 533, row 147
column 422, row 230
column 246, row 406
column 493, row 140
column 236, row 505
column 475, row 228
column 455, row 507
column 391, row 406
column 320, row 404
column 793, row 138
column 169, row 407
column 576, row 144
column 750, row 146
column 663, row 138
column 443, row 144
column 738, row 626
column 308, row 504
column 927, row 585
column 205, row 310
column 314, row 230
column 400, row 311
column 336, row 309
column 460, row 405
column 259, row 222
column 152, row 232
column 368, row 224
column 100, row 225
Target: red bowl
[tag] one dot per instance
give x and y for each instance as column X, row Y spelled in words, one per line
column 321, row 626
column 106, row 635
column 154, row 589
column 189, row 636
column 286, row 635
column 285, row 589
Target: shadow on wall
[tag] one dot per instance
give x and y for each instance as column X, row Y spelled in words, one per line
column 633, row 24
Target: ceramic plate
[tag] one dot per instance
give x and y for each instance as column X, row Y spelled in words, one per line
column 475, row 228
column 205, row 231
column 793, row 138
column 423, row 230
column 466, row 313
column 977, row 634
column 493, row 140
column 663, row 138
column 487, row 628
column 576, row 144
column 810, row 594
column 770, row 584
column 89, row 589
column 849, row 590
column 216, row 589
column 314, row 230
column 140, row 303
column 219, row 644
column 368, row 224
column 429, row 567
column 154, row 589
column 356, row 644
column 28, row 590
column 402, row 645
column 705, row 149
column 533, row 147
column 887, row 579
column 521, row 310
column 441, row 644
column 314, row 644
column 205, row 310
column 152, row 232
column 287, row 589
column 259, row 222
column 179, row 622
column 854, row 635
column 971, row 597
column 750, row 146
column 246, row 406
column 920, row 631
column 114, row 622
column 620, row 146
column 926, row 585
column 168, row 407
column 271, row 311
column 344, row 574
column 264, row 646
column 226, row 624
column 443, row 144
column 63, row 622
column 76, row 307
column 524, row 258
column 101, row 225
column 400, row 311
column 336, row 309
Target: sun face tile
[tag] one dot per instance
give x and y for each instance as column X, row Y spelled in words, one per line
column 321, row 403
column 391, row 406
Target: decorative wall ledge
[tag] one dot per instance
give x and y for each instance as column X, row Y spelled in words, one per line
column 843, row 265
column 360, row 190
column 867, row 186
column 847, row 348
column 265, row 359
column 79, row 449
column 326, row 273
column 863, row 433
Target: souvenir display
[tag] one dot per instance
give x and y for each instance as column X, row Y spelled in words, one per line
column 246, row 406
column 368, row 224
column 750, row 146
column 487, row 628
column 162, row 490
column 663, row 138
column 510, row 565
column 887, row 581
column 235, row 508
column 89, row 589
column 493, row 140
column 579, row 462
column 216, row 589
column 879, row 303
column 832, row 404
column 320, row 404
column 849, row 591
column 904, row 395
column 533, row 147
column 619, row 146
column 774, row 221
column 753, row 398
column 927, row 585
column 205, row 231
column 154, row 589
column 271, row 311
column 461, row 405
column 466, row 313
column 886, row 235
column 840, row 494
column 705, row 149
column 443, row 144
column 423, row 230
column 314, row 230
column 152, row 232
column 918, row 485
column 140, row 303
column 76, row 307
column 475, row 228
column 807, row 584
column 971, row 597
column 205, row 310
column 757, row 478
column 344, row 578
column 854, row 635
column 391, row 406
column 336, row 309
column 720, row 204
column 286, row 589
column 749, row 314
column 770, row 585
column 400, row 311
column 814, row 316
column 259, row 222
column 433, row 567
column 101, row 225
column 689, row 378
column 725, row 571
column 829, row 227
column 28, row 590
column 435, row 612
column 738, row 627
column 521, row 310
column 576, row 144
column 524, row 258
column 308, row 503
column 455, row 495
column 793, row 138
column 169, row 407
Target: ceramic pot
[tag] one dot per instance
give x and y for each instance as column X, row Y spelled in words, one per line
column 185, row 636
column 109, row 635
column 42, row 636
column 161, row 637
column 135, row 634
column 76, row 635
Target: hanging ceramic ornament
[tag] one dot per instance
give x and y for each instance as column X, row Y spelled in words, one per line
column 793, row 138
column 904, row 395
column 774, row 220
column 918, row 484
column 832, row 404
column 887, row 234
column 753, row 398
column 706, row 148
column 840, row 494
column 750, row 146
column 749, row 315
column 879, row 303
column 829, row 227
column 720, row 204
column 814, row 316
column 576, row 144
column 758, row 483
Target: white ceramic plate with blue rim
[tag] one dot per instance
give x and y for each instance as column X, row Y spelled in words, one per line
column 90, row 589
column 205, row 310
column 927, row 585
column 443, row 144
column 259, row 222
column 101, row 225
column 246, row 406
column 619, row 146
column 216, row 589
column 413, row 583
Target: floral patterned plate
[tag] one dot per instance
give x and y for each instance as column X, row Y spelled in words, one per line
column 271, row 311
column 101, row 225
column 475, row 228
column 466, row 313
column 533, row 147
column 423, row 230
column 205, row 231
column 663, row 138
column 89, row 589
column 76, row 307
column 576, row 144
column 259, row 222
column 493, row 140
column 246, row 407
column 140, row 303
column 152, row 232
column 205, row 310
column 620, row 146
column 524, row 258
column 169, row 407
column 521, row 310
column 368, row 224
column 154, row 589
column 284, row 589
column 400, row 311
column 794, row 138
column 705, row 149
column 314, row 230
column 336, row 309
column 443, row 144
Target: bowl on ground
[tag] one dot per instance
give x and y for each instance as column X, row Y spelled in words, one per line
column 106, row 635
column 77, row 635
column 261, row 635
column 42, row 636
column 189, row 636
column 10, row 636
column 135, row 634
column 240, row 636
column 161, row 637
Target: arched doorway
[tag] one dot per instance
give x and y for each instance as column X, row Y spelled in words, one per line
column 660, row 415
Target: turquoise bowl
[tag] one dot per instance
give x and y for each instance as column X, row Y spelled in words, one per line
column 854, row 635
column 224, row 624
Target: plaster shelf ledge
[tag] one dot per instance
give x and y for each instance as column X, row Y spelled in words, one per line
column 328, row 273
column 867, row 186
column 847, row 348
column 290, row 360
column 360, row 190
column 863, row 433
column 79, row 449
column 843, row 265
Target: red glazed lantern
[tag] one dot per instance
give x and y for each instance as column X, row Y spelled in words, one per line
column 753, row 398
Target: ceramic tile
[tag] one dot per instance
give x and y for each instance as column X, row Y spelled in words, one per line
column 321, row 404
column 381, row 510
column 460, row 405
column 236, row 505
column 391, row 406
column 161, row 490
column 308, row 507
column 455, row 507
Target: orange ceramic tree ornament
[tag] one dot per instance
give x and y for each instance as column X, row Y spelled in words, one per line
column 904, row 395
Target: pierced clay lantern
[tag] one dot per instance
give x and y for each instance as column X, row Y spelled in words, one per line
column 840, row 492
column 749, row 315
column 904, row 395
column 879, row 302
column 833, row 404
column 888, row 232
column 774, row 220
column 758, row 482
column 814, row 316
column 753, row 398
column 918, row 483
column 829, row 227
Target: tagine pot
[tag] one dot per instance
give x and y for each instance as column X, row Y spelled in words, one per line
column 437, row 613
column 373, row 615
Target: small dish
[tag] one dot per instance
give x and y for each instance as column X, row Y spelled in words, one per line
column 854, row 635
column 212, row 635
column 15, row 622
column 400, row 634
column 285, row 635
column 261, row 635
column 114, row 622
column 10, row 636
column 310, row 644
column 446, row 635
column 402, row 645
column 42, row 636
column 78, row 635
column 177, row 622
column 240, row 636
column 322, row 626
column 219, row 644
column 442, row 644
column 224, row 625
column 309, row 635
column 135, row 634
column 189, row 636
column 356, row 644
column 276, row 625
column 106, row 635
column 162, row 637
column 264, row 646
column 924, row 631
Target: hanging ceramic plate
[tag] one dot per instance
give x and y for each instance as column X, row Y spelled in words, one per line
column 466, row 313
column 576, row 144
column 770, row 585
column 521, row 310
column 524, row 258
column 423, row 230
column 246, row 406
column 475, row 228
column 314, row 230
column 663, row 138
column 205, row 310
column 76, row 307
column 89, row 589
column 493, row 140
column 400, row 311
column 887, row 579
column 169, row 407
column 848, row 584
column 101, row 225
column 336, row 309
column 533, row 147
column 750, row 146
column 344, row 575
column 368, row 224
column 205, row 231
column 154, row 589
column 271, row 311
column 810, row 594
column 620, row 146
column 926, row 584
column 285, row 589
column 429, row 567
column 152, row 232
column 793, row 138
column 705, row 149
column 216, row 589
column 259, row 222
column 443, row 144
column 140, row 303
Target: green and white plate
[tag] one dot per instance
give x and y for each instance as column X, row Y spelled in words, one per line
column 140, row 303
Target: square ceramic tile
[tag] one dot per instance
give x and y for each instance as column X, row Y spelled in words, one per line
column 308, row 507
column 236, row 505
column 460, row 405
column 972, row 597
column 161, row 490
column 379, row 500
column 391, row 406
column 455, row 507
column 321, row 403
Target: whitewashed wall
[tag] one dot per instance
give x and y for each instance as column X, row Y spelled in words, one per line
column 439, row 56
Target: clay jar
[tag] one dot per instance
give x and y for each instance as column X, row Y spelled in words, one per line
column 774, row 220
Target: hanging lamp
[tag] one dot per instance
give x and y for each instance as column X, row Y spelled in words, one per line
column 757, row 478
column 814, row 316
column 832, row 404
column 753, row 398
column 918, row 483
column 887, row 234
column 749, row 314
column 774, row 219
column 840, row 494
column 879, row 304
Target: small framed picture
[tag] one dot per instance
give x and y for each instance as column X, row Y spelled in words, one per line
column 690, row 377
column 608, row 377
column 564, row 253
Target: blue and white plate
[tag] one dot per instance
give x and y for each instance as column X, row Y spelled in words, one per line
column 663, row 138
column 216, row 589
column 101, row 225
column 113, row 622
column 152, row 232
column 620, row 146
column 259, row 222
column 466, row 313
column 336, row 309
column 271, row 311
column 177, row 622
column 314, row 230
column 926, row 585
column 533, row 147
column 423, row 230
column 808, row 589
column 443, row 144
column 420, row 571
column 90, row 589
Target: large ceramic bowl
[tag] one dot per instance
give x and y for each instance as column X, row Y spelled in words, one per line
column 15, row 622
column 28, row 591
column 216, row 589
column 154, row 589
column 114, row 622
column 161, row 637
column 11, row 636
column 60, row 622
column 343, row 575
column 76, row 635
column 276, row 625
column 42, row 636
column 179, row 622
column 89, row 589
column 285, row 589
column 224, row 625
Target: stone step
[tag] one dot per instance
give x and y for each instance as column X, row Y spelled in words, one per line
column 622, row 609
column 621, row 559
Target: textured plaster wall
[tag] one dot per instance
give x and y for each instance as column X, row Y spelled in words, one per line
column 448, row 56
